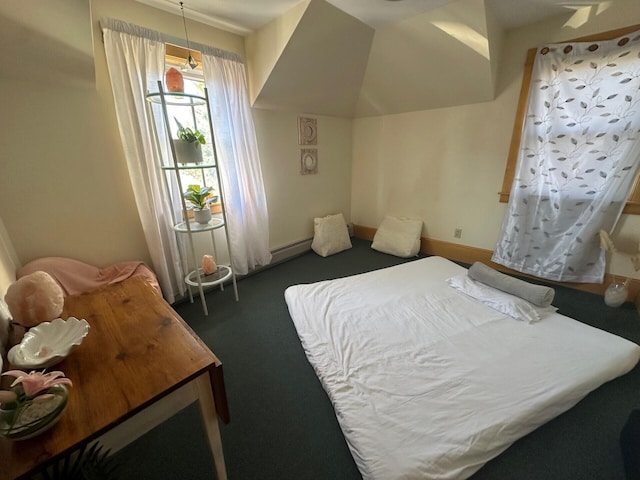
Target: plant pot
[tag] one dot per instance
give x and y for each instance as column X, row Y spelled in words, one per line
column 187, row 152
column 202, row 216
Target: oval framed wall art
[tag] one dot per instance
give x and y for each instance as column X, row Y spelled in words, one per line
column 308, row 161
column 307, row 131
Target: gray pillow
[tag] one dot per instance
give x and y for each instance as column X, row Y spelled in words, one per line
column 536, row 294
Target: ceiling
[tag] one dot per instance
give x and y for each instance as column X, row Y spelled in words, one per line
column 245, row 16
column 359, row 58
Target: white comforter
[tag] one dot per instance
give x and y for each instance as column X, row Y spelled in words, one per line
column 428, row 383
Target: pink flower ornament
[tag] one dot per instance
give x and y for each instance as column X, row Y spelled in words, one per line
column 34, row 403
column 35, row 382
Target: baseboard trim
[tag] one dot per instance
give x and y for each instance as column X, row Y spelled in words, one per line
column 468, row 254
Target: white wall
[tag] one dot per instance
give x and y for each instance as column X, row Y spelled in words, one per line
column 64, row 184
column 65, row 190
column 294, row 199
column 446, row 165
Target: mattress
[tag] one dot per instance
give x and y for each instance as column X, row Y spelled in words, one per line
column 427, row 382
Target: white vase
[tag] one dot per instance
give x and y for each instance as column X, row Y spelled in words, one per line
column 202, row 216
column 187, row 152
column 616, row 294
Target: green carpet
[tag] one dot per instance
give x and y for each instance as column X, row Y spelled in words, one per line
column 282, row 423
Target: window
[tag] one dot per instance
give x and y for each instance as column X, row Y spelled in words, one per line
column 633, row 202
column 193, row 84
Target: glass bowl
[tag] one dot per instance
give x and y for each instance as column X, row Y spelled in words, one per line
column 35, row 416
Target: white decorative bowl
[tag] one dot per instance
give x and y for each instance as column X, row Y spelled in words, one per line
column 48, row 343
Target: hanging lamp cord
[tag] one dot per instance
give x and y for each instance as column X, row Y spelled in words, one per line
column 190, row 60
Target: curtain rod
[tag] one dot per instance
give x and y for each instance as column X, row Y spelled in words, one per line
column 132, row 29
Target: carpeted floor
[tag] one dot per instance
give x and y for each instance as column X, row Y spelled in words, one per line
column 282, row 423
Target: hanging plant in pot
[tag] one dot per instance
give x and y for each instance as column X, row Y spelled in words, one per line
column 187, row 145
column 200, row 198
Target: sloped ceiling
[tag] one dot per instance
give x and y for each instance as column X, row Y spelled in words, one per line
column 317, row 59
column 321, row 64
column 438, row 59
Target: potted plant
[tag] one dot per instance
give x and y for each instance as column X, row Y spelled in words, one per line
column 187, row 145
column 199, row 198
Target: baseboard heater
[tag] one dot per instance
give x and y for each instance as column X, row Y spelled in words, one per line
column 278, row 255
column 288, row 252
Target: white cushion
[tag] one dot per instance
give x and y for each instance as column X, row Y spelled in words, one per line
column 330, row 235
column 398, row 236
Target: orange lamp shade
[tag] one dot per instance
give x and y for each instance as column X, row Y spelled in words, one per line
column 174, row 81
column 208, row 264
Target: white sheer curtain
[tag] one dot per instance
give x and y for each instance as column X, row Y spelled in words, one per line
column 580, row 153
column 135, row 58
column 240, row 172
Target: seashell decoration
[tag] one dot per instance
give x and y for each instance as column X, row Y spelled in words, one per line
column 48, row 343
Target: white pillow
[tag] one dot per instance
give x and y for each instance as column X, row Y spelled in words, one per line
column 330, row 235
column 398, row 236
column 511, row 305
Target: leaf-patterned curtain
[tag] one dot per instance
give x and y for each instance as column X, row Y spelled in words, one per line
column 580, row 153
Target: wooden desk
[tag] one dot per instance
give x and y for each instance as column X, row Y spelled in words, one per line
column 138, row 353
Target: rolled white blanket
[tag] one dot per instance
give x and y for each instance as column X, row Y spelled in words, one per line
column 536, row 294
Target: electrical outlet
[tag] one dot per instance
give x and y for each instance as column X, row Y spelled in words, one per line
column 457, row 233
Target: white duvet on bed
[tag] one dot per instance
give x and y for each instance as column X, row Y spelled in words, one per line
column 428, row 383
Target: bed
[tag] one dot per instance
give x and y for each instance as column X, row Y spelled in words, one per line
column 428, row 382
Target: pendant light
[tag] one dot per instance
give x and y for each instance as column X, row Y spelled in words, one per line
column 190, row 60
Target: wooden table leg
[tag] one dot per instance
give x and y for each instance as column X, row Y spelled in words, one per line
column 210, row 421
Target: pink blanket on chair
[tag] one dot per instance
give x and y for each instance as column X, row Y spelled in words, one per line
column 77, row 277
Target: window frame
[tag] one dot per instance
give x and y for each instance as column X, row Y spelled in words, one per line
column 176, row 56
column 633, row 202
